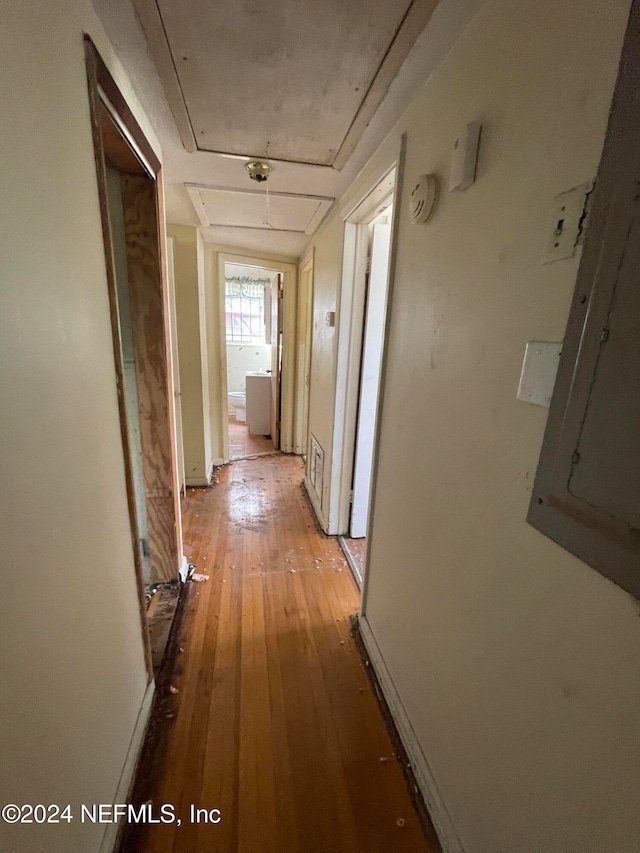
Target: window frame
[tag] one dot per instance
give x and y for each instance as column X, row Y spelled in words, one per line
column 266, row 316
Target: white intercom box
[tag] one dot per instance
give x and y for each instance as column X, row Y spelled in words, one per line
column 465, row 157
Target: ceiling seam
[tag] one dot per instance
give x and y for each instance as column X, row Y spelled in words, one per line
column 374, row 78
column 175, row 68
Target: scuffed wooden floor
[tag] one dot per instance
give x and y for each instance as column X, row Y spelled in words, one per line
column 274, row 723
column 357, row 549
column 242, row 443
column 160, row 616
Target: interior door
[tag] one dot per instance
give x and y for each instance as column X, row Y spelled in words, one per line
column 370, row 378
column 276, row 357
column 175, row 363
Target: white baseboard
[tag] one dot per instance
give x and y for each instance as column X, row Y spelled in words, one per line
column 315, row 503
column 440, row 817
column 194, row 482
column 213, row 463
column 110, row 836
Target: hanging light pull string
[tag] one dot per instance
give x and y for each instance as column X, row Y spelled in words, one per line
column 267, row 220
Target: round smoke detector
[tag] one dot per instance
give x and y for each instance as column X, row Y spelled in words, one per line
column 258, row 170
column 423, row 199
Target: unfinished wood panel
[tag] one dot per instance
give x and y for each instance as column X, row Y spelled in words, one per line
column 118, row 150
column 148, row 322
column 98, row 77
column 274, row 723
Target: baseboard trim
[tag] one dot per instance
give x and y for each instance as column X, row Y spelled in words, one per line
column 213, row 464
column 196, row 482
column 315, row 503
column 440, row 817
column 112, row 832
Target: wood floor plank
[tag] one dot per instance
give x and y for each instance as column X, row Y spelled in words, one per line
column 274, row 722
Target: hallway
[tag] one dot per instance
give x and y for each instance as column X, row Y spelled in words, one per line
column 274, row 722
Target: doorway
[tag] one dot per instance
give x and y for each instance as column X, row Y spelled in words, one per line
column 253, row 335
column 129, row 188
column 372, row 342
column 256, row 323
column 362, row 322
column 304, row 344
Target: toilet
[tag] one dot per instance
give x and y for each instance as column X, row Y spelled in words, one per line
column 238, row 402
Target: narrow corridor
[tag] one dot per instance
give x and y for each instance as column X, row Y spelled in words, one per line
column 274, row 722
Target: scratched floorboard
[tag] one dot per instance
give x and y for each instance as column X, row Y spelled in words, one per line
column 274, row 723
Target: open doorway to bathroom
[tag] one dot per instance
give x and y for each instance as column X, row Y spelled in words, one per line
column 253, row 333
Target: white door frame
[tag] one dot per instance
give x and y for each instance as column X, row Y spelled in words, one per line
column 287, row 382
column 304, row 344
column 387, row 186
column 371, row 363
column 173, row 343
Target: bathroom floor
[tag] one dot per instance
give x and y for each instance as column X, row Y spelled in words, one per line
column 242, row 444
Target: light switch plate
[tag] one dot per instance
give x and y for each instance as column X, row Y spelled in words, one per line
column 539, row 369
column 563, row 229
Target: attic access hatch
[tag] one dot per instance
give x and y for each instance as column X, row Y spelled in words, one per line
column 286, row 80
column 248, row 208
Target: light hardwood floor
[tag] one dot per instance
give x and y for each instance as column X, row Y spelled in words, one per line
column 242, row 443
column 274, row 723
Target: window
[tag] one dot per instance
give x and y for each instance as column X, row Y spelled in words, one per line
column 246, row 301
column 587, row 491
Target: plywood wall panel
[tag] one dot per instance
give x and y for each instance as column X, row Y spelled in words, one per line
column 146, row 291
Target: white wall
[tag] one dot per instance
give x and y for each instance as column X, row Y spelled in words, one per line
column 216, row 354
column 73, row 674
column 517, row 664
column 326, row 275
column 203, row 311
column 188, row 273
column 242, row 358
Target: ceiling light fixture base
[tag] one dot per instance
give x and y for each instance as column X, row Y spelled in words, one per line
column 258, row 170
